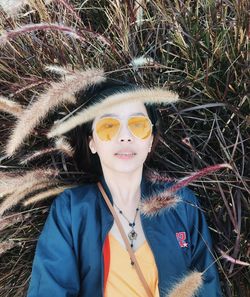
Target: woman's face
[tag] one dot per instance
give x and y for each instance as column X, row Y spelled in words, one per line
column 110, row 152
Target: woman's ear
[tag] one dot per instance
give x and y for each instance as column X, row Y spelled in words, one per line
column 151, row 143
column 91, row 145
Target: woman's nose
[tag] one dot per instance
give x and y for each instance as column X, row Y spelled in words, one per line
column 124, row 133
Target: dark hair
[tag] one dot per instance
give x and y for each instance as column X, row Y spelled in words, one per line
column 86, row 162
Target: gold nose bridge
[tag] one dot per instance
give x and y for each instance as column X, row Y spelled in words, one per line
column 123, row 123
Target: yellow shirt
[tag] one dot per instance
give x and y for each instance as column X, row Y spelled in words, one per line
column 123, row 280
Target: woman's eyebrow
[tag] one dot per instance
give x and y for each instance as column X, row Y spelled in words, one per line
column 115, row 115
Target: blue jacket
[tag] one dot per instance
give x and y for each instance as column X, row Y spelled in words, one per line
column 69, row 262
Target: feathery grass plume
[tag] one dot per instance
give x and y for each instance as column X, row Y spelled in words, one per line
column 25, row 190
column 44, row 195
column 12, row 34
column 8, row 221
column 149, row 96
column 59, row 93
column 10, row 106
column 29, row 86
column 156, row 203
column 12, row 7
column 155, row 176
column 141, row 61
column 138, row 8
column 65, row 70
column 37, row 154
column 64, row 146
column 188, row 287
column 7, row 245
column 198, row 174
column 11, row 181
column 61, row 145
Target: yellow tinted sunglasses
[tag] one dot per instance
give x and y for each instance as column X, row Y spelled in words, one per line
column 108, row 127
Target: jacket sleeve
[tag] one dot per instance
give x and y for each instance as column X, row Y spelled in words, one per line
column 54, row 271
column 201, row 249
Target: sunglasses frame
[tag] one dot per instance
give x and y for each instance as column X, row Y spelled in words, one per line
column 121, row 125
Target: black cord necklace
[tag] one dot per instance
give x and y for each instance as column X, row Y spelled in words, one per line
column 132, row 235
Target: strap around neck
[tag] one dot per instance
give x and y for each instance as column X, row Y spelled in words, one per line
column 124, row 237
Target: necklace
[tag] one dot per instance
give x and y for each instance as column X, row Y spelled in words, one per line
column 132, row 235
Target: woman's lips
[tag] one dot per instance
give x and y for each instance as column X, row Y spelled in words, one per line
column 125, row 156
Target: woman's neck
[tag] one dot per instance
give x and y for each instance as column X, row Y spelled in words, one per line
column 124, row 188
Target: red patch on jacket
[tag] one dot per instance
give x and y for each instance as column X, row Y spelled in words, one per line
column 181, row 237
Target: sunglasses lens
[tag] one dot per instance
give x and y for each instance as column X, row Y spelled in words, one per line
column 107, row 128
column 141, row 127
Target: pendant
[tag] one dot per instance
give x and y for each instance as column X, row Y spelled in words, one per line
column 132, row 235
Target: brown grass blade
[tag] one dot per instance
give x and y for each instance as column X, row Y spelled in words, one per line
column 8, row 221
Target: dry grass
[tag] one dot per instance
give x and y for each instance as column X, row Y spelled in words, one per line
column 197, row 49
column 9, row 106
column 58, row 94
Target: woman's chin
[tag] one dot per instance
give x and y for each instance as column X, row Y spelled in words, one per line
column 125, row 168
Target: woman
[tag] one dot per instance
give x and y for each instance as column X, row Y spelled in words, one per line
column 81, row 252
